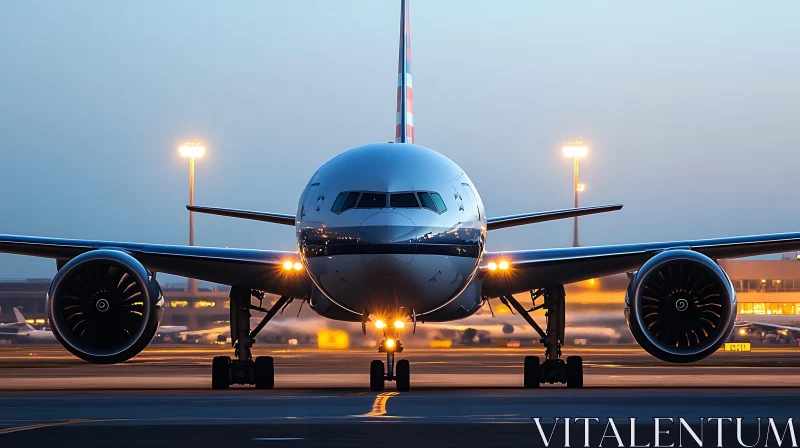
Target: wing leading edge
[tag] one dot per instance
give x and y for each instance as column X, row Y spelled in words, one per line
column 502, row 222
column 277, row 218
column 532, row 269
column 259, row 269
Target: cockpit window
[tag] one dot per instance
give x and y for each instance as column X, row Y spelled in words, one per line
column 337, row 204
column 439, row 202
column 372, row 200
column 354, row 199
column 350, row 201
column 403, row 200
column 426, row 201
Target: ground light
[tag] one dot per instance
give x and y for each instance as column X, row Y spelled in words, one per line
column 575, row 150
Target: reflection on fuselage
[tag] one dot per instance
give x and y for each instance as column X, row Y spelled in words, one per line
column 391, row 260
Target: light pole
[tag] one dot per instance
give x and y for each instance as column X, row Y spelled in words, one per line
column 577, row 150
column 192, row 150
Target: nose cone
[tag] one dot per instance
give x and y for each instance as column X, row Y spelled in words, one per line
column 385, row 228
column 391, row 235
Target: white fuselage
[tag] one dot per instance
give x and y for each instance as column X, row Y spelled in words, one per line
column 408, row 240
column 37, row 336
column 21, row 332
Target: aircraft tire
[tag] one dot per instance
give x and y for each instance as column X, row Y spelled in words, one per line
column 574, row 371
column 264, row 372
column 403, row 379
column 220, row 372
column 532, row 376
column 376, row 376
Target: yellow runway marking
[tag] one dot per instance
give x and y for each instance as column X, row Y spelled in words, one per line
column 379, row 406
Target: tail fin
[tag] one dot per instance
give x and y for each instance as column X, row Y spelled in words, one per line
column 20, row 317
column 404, row 132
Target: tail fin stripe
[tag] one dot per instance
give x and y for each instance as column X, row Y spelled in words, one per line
column 404, row 129
column 407, row 79
column 409, row 119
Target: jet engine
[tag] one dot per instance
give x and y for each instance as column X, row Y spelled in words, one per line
column 680, row 306
column 104, row 306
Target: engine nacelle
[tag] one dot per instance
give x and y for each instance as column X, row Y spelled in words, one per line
column 680, row 306
column 104, row 306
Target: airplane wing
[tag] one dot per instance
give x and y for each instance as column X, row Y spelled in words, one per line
column 501, row 222
column 277, row 218
column 532, row 269
column 13, row 331
column 259, row 269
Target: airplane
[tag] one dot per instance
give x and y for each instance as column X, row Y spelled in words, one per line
column 22, row 331
column 766, row 331
column 170, row 332
column 392, row 235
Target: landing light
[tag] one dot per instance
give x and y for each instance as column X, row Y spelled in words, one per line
column 298, row 266
column 399, row 324
column 380, row 324
column 502, row 265
column 287, row 265
column 390, row 343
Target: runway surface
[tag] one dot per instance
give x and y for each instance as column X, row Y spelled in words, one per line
column 459, row 397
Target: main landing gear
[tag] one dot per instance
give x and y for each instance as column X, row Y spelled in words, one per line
column 554, row 369
column 244, row 370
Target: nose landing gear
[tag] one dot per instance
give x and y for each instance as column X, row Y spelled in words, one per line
column 554, row 369
column 400, row 374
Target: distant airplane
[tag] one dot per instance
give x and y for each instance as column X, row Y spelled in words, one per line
column 170, row 332
column 765, row 330
column 21, row 331
column 394, row 233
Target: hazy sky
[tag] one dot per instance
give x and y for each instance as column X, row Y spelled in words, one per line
column 690, row 108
